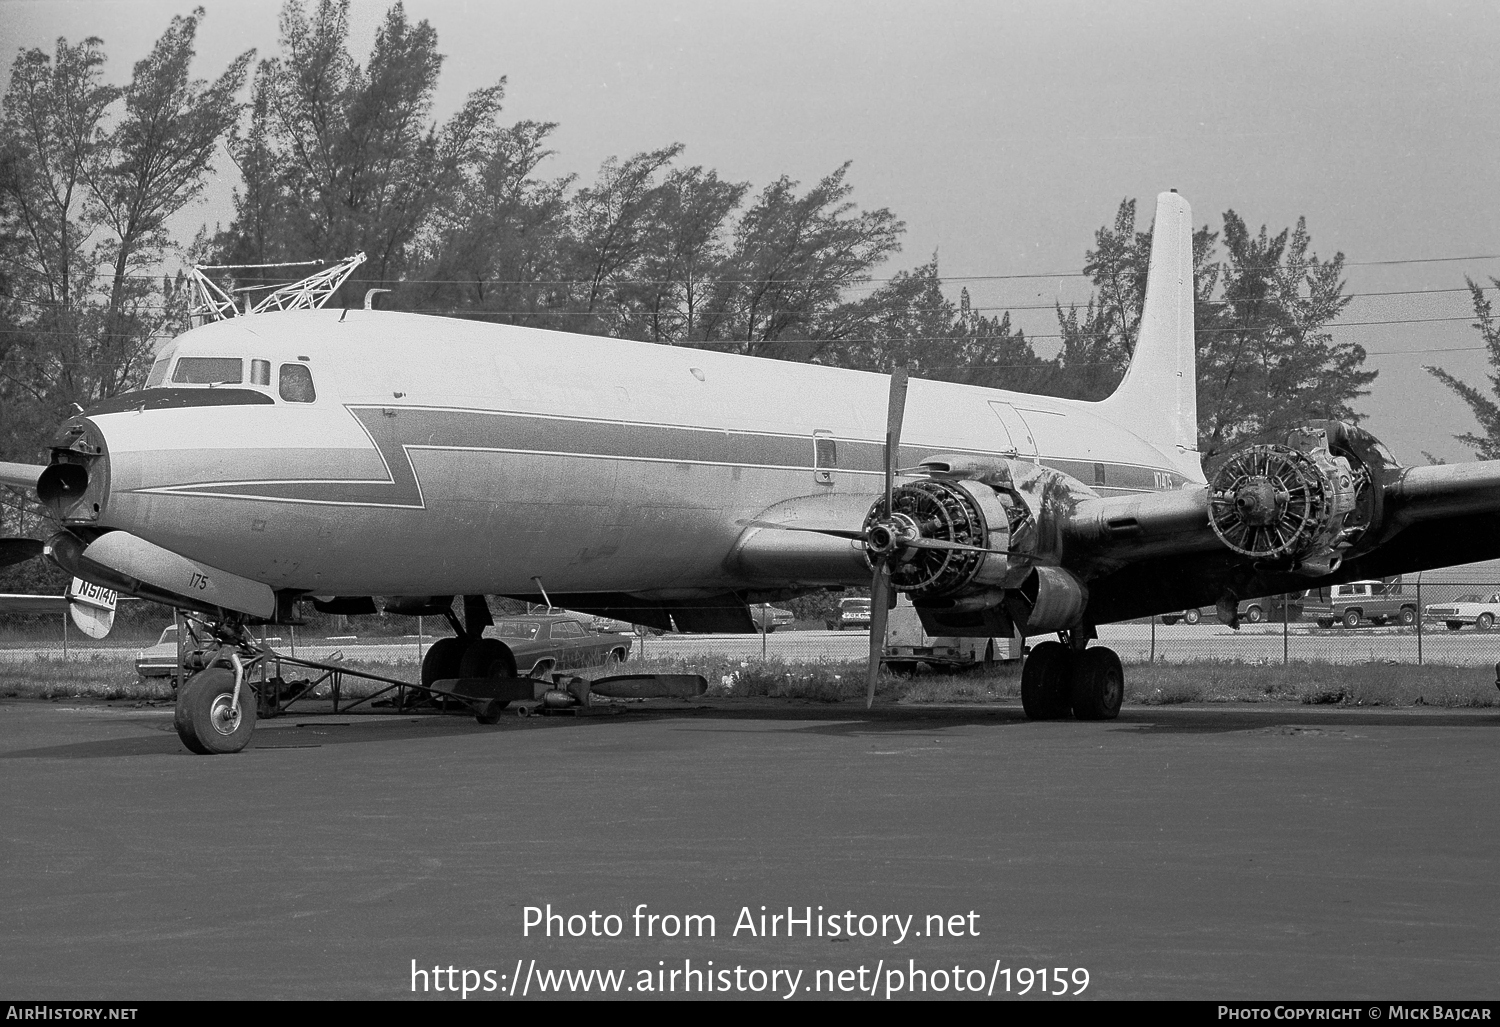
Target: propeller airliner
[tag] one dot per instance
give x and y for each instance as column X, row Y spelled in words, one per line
column 359, row 455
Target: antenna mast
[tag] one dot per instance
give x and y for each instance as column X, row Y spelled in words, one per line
column 310, row 293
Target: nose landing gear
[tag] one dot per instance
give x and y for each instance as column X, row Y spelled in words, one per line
column 216, row 711
column 1059, row 678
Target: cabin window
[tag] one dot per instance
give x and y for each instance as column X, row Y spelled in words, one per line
column 260, row 372
column 158, row 372
column 209, row 371
column 297, row 384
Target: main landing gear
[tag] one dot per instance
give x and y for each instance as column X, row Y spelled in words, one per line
column 468, row 654
column 1062, row 677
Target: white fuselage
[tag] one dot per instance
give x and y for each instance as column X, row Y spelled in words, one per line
column 443, row 456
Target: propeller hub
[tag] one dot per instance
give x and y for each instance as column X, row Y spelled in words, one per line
column 885, row 537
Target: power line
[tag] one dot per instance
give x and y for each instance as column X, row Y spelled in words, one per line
column 557, row 312
column 1019, row 333
column 853, row 282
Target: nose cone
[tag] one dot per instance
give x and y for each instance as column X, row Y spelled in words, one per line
column 75, row 487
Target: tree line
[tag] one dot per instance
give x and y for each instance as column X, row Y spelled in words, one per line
column 338, row 153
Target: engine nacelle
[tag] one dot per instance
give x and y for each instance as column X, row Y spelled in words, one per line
column 1057, row 600
column 967, row 512
column 1299, row 503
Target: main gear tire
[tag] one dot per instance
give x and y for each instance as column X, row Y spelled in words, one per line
column 1098, row 684
column 442, row 660
column 487, row 658
column 206, row 718
column 1046, row 681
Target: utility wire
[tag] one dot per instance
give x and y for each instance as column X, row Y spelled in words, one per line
column 859, row 280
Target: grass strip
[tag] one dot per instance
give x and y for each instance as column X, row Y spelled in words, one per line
column 112, row 676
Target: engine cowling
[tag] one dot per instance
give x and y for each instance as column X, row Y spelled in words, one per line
column 966, row 512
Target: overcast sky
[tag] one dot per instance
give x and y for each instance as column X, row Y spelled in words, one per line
column 1005, row 134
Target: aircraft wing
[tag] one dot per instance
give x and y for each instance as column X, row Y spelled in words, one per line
column 18, row 603
column 1161, row 552
column 21, row 476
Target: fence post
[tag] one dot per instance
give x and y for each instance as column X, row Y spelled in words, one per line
column 1286, row 620
column 1419, row 620
column 1153, row 638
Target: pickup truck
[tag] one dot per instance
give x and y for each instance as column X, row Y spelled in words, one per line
column 1361, row 602
column 1480, row 611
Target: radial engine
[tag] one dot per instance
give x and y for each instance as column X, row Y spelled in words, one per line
column 1304, row 504
column 967, row 512
column 964, row 549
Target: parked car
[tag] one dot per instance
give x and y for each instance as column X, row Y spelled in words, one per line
column 544, row 643
column 768, row 618
column 1251, row 611
column 1361, row 602
column 624, row 627
column 160, row 660
column 853, row 612
column 1478, row 610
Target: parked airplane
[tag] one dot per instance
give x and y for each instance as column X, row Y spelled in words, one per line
column 356, row 454
column 90, row 607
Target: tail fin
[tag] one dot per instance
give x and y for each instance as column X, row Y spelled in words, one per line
column 1158, row 398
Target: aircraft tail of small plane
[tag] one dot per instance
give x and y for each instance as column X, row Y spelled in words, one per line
column 1158, row 398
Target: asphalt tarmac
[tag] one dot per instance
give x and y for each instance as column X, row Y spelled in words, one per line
column 1226, row 852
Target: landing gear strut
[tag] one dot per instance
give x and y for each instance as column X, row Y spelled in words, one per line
column 1059, row 677
column 468, row 654
column 216, row 709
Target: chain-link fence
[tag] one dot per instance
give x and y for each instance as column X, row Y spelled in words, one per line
column 1449, row 621
column 1456, row 623
column 1446, row 621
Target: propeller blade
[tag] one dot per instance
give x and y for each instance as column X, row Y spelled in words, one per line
column 895, row 414
column 880, row 598
column 19, row 550
column 958, row 547
column 835, row 532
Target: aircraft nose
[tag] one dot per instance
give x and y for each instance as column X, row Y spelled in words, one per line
column 75, row 486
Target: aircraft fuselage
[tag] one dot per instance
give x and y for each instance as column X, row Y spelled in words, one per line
column 452, row 457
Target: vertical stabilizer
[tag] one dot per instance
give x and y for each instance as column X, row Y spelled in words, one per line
column 1158, row 398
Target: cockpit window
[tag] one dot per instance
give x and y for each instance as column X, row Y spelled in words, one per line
column 260, row 372
column 158, row 372
column 297, row 384
column 209, row 371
